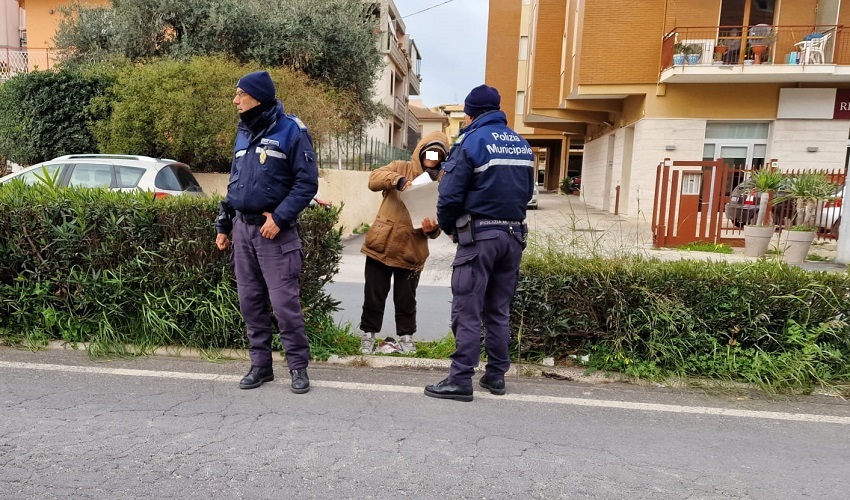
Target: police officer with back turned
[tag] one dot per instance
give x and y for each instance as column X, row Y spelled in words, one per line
column 487, row 182
column 272, row 179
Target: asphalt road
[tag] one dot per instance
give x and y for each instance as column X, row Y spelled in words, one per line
column 180, row 428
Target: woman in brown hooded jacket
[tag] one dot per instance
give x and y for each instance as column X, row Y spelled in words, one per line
column 394, row 249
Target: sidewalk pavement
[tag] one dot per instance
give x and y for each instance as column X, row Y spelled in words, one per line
column 568, row 222
column 562, row 221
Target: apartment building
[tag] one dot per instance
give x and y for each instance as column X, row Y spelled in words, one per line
column 429, row 121
column 399, row 79
column 456, row 119
column 627, row 84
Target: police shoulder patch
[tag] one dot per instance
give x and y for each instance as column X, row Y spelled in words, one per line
column 297, row 122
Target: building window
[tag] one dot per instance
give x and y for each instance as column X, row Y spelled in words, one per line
column 523, row 48
column 520, row 103
column 742, row 145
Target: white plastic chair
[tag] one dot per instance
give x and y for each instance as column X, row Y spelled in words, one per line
column 813, row 49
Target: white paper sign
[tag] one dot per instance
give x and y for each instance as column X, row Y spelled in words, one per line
column 423, row 178
column 421, row 201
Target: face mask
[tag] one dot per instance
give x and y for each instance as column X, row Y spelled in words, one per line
column 433, row 172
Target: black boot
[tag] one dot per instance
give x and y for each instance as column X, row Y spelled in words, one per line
column 447, row 390
column 493, row 383
column 256, row 376
column 300, row 382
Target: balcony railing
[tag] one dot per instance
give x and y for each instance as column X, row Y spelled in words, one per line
column 400, row 110
column 15, row 60
column 752, row 45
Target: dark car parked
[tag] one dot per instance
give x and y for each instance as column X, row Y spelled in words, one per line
column 743, row 205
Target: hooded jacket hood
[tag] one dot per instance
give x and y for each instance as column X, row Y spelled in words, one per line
column 391, row 239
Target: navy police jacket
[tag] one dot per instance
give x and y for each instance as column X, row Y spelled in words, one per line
column 489, row 173
column 273, row 171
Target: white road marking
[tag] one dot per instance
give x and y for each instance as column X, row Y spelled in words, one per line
column 597, row 403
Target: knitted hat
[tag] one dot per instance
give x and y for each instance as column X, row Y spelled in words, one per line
column 433, row 146
column 482, row 98
column 258, row 85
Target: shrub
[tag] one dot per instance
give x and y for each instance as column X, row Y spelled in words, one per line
column 763, row 322
column 43, row 114
column 115, row 269
column 183, row 110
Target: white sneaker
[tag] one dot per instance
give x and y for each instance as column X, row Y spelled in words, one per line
column 407, row 344
column 367, row 343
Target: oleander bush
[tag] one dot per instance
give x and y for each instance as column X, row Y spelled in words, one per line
column 762, row 322
column 113, row 270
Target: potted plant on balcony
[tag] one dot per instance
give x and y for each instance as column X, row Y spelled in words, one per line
column 808, row 191
column 759, row 44
column 679, row 54
column 720, row 50
column 757, row 236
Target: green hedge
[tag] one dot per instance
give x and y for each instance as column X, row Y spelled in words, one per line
column 114, row 269
column 762, row 322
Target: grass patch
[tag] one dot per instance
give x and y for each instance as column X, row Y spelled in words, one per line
column 361, row 229
column 705, row 246
column 437, row 349
column 817, row 258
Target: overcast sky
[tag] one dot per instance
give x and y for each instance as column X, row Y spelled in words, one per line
column 452, row 39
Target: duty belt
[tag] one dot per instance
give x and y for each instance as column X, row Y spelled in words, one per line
column 497, row 222
column 251, row 219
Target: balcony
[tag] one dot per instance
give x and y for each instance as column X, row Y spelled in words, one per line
column 413, row 81
column 400, row 110
column 770, row 54
column 398, row 56
column 412, row 121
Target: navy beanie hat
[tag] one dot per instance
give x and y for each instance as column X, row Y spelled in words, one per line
column 258, row 85
column 482, row 98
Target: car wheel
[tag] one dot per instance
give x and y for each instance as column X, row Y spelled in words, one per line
column 738, row 223
column 835, row 226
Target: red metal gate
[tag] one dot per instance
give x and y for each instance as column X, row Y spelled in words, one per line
column 691, row 199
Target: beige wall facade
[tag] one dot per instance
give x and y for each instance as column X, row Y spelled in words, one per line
column 43, row 19
column 337, row 186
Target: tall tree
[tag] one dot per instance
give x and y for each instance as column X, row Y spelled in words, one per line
column 330, row 40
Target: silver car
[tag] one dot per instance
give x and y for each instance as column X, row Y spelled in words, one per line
column 160, row 176
column 532, row 203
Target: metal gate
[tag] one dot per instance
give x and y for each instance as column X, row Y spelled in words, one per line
column 687, row 202
column 691, row 198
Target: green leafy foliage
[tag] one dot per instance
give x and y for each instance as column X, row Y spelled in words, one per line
column 183, row 110
column 331, row 41
column 763, row 322
column 43, row 114
column 706, row 246
column 118, row 269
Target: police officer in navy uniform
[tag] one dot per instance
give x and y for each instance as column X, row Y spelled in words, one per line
column 483, row 194
column 272, row 179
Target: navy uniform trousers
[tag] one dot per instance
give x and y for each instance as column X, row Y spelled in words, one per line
column 268, row 270
column 484, row 281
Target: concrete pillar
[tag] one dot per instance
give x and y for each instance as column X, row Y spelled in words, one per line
column 843, row 256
